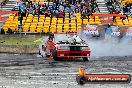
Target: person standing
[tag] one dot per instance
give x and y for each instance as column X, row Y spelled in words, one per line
column 108, row 32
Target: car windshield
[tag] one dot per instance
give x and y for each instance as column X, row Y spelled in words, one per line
column 62, row 37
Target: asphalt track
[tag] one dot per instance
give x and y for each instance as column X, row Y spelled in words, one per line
column 30, row 71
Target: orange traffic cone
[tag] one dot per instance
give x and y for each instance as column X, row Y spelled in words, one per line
column 82, row 71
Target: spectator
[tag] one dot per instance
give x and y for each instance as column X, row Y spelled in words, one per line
column 29, row 2
column 43, row 13
column 45, row 7
column 67, row 10
column 35, row 4
column 61, row 14
column 36, row 13
column 22, row 6
column 59, row 8
column 30, row 10
column 47, row 13
column 77, row 7
column 84, row 15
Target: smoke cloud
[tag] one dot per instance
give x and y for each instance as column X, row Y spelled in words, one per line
column 112, row 47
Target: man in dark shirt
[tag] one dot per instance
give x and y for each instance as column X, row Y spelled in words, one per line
column 51, row 36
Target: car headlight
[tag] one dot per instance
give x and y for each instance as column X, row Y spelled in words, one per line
column 64, row 47
column 85, row 48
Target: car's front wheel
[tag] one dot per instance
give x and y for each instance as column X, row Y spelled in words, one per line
column 54, row 53
column 81, row 80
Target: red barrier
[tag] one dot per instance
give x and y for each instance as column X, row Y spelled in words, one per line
column 103, row 21
column 2, row 12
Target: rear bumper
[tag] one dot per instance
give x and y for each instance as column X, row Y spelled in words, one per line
column 73, row 54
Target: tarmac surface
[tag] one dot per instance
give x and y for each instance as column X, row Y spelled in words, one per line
column 30, row 71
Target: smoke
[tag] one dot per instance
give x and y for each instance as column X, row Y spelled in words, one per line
column 113, row 46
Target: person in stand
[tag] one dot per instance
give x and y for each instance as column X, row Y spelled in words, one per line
column 61, row 14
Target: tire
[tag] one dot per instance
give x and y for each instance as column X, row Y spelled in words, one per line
column 54, row 53
column 129, row 80
column 85, row 59
column 81, row 80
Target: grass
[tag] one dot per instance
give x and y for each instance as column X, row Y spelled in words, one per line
column 19, row 42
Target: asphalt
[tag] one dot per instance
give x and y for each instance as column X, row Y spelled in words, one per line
column 30, row 71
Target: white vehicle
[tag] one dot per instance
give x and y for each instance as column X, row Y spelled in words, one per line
column 115, row 31
column 91, row 30
column 129, row 31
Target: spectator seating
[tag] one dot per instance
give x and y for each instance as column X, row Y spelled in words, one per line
column 47, row 24
column 11, row 23
column 43, row 23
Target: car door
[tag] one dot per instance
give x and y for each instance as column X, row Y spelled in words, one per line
column 50, row 46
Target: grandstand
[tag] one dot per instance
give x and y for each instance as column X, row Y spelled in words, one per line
column 40, row 16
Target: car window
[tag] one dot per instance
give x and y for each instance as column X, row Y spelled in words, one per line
column 61, row 37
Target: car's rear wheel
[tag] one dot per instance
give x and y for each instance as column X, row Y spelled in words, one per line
column 85, row 59
column 54, row 53
column 81, row 80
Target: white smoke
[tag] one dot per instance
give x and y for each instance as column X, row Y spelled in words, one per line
column 112, row 47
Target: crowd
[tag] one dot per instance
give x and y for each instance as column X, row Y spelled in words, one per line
column 116, row 7
column 58, row 8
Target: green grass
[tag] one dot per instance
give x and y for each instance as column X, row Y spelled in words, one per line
column 18, row 42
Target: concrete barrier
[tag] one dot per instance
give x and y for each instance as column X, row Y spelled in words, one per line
column 20, row 36
column 21, row 49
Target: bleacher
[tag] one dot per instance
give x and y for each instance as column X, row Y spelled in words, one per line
column 47, row 24
column 35, row 24
column 11, row 23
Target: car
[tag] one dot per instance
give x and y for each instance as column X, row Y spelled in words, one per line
column 66, row 45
